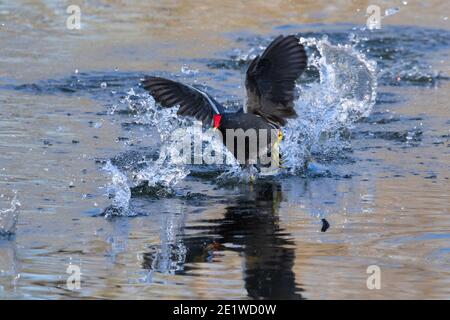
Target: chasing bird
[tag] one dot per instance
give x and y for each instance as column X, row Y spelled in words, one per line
column 270, row 84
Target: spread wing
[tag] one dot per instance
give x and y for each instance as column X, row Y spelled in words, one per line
column 270, row 79
column 192, row 101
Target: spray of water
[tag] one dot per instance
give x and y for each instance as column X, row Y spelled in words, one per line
column 119, row 191
column 327, row 109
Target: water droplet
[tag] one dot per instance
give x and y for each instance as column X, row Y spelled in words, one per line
column 103, row 85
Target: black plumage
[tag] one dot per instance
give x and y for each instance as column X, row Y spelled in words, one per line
column 270, row 85
column 270, row 80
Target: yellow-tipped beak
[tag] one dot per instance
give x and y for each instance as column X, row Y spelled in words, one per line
column 280, row 135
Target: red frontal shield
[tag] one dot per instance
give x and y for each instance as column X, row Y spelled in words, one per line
column 217, row 119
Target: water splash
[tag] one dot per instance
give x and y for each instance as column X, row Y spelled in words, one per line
column 327, row 109
column 119, row 191
column 9, row 217
column 164, row 170
column 168, row 168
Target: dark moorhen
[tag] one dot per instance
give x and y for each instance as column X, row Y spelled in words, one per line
column 270, row 83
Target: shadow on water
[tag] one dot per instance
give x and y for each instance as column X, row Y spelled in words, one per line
column 249, row 227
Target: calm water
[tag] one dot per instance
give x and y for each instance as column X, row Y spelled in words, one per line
column 79, row 139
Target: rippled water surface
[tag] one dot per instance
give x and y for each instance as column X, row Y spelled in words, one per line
column 83, row 183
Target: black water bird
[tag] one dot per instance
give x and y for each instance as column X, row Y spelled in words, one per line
column 270, row 84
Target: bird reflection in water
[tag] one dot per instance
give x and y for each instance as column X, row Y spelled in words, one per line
column 250, row 227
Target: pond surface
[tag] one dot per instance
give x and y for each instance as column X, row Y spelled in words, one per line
column 367, row 173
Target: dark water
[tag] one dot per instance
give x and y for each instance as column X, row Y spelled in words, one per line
column 376, row 195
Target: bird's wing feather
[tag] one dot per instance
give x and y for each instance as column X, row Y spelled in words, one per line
column 270, row 79
column 192, row 101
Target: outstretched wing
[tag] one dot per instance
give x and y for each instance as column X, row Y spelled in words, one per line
column 270, row 79
column 192, row 101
